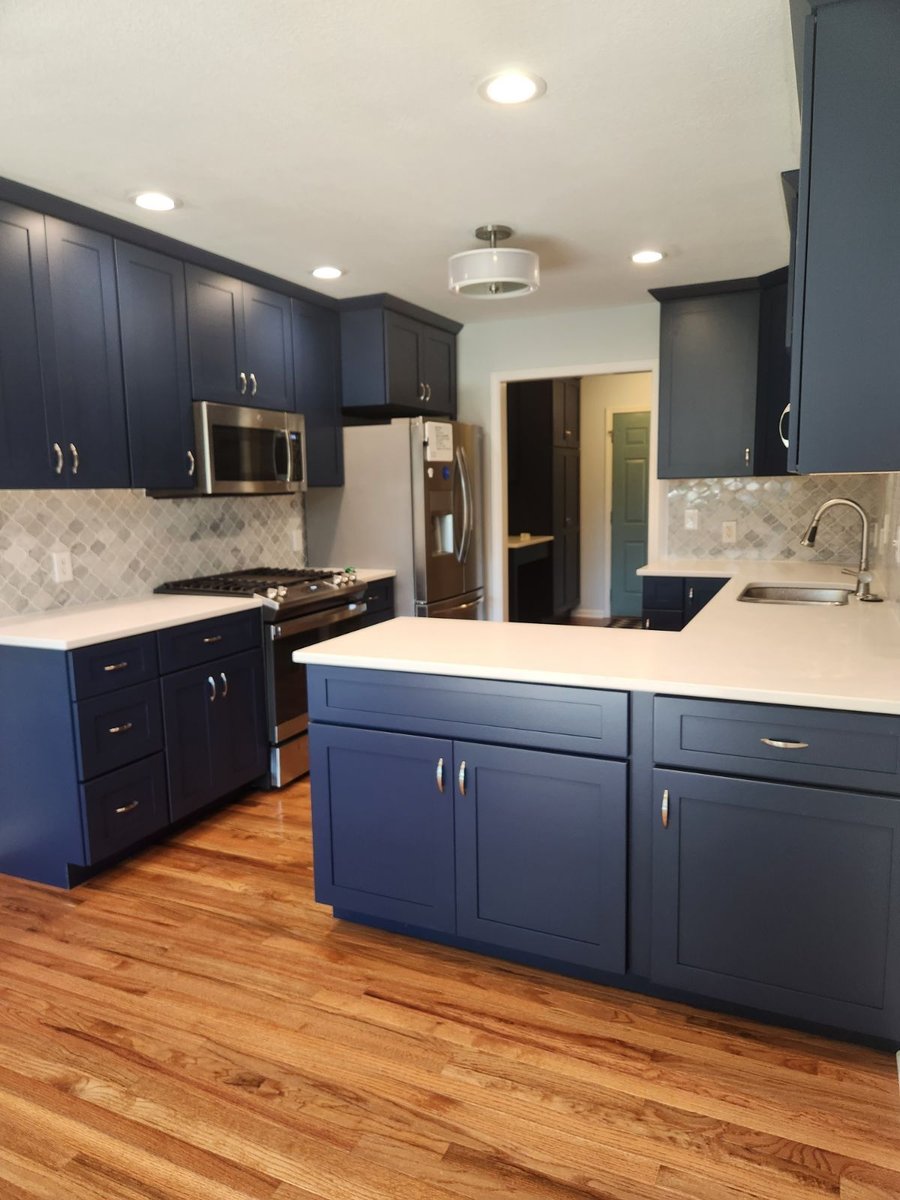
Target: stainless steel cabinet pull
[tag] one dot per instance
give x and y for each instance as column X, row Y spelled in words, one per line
column 115, row 666
column 646, row 622
column 421, row 394
column 212, row 688
column 192, row 466
column 461, row 778
column 439, row 775
column 210, row 641
column 122, row 728
column 60, row 461
column 781, row 433
column 780, row 745
column 224, row 679
column 664, row 811
column 427, row 392
column 690, row 593
column 76, row 459
column 747, row 456
column 243, row 378
column 127, row 807
column 253, row 386
column 567, row 433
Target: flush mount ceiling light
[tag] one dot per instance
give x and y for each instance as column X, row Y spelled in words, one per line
column 512, row 87
column 647, row 256
column 156, row 201
column 327, row 273
column 495, row 272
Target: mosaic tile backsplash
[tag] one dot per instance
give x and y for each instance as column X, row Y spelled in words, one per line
column 123, row 544
column 771, row 515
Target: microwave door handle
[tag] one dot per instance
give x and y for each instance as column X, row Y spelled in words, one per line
column 289, row 448
column 276, row 474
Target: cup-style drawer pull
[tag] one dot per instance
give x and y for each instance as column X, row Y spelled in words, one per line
column 121, row 728
column 211, row 641
column 115, row 666
column 127, row 808
column 780, row 745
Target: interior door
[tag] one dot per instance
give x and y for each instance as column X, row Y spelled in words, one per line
column 628, row 519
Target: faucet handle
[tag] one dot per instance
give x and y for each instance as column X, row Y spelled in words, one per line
column 849, row 571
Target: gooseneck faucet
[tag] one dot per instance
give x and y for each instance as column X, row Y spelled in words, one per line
column 863, row 577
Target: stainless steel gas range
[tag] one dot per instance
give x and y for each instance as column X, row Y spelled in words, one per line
column 300, row 607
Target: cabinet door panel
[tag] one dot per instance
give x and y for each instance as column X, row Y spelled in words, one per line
column 153, row 312
column 88, row 355
column 27, row 378
column 439, row 370
column 780, row 897
column 217, row 344
column 540, row 842
column 240, row 743
column 189, row 700
column 317, row 391
column 383, row 829
column 269, row 355
column 403, row 361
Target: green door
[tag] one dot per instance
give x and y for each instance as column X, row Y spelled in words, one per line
column 628, row 520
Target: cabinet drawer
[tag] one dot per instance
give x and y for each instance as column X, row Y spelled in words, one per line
column 108, row 666
column 380, row 596
column 123, row 807
column 117, row 729
column 203, row 641
column 518, row 714
column 831, row 748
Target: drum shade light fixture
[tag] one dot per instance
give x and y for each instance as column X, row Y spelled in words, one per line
column 494, row 272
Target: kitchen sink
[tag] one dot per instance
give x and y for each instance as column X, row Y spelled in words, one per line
column 759, row 593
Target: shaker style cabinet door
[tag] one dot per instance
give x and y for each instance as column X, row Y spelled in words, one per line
column 383, row 824
column 189, row 715
column 27, row 376
column 153, row 313
column 540, row 853
column 403, row 362
column 269, row 359
column 317, row 390
column 88, row 356
column 240, row 737
column 438, row 350
column 215, row 305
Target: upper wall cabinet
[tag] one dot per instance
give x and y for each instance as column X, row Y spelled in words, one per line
column 153, row 316
column 846, row 371
column 317, row 390
column 240, row 341
column 723, row 378
column 397, row 360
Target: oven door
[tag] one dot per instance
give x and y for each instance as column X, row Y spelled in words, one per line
column 244, row 450
column 287, row 701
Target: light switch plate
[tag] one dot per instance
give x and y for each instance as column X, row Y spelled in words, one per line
column 61, row 566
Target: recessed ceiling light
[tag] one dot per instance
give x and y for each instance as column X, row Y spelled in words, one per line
column 512, row 87
column 327, row 273
column 647, row 256
column 156, row 201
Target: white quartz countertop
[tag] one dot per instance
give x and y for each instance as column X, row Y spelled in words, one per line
column 527, row 539
column 827, row 657
column 712, row 568
column 88, row 624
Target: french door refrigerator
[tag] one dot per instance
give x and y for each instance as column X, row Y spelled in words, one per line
column 412, row 500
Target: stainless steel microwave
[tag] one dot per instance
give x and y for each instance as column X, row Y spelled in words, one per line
column 248, row 451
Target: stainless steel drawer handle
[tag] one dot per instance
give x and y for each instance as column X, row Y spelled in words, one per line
column 212, row 688
column 126, row 808
column 243, row 378
column 121, row 728
column 76, row 458
column 192, row 465
column 664, row 810
column 224, row 679
column 115, row 666
column 439, row 775
column 253, row 385
column 778, row 744
column 211, row 641
column 461, row 778
column 60, row 461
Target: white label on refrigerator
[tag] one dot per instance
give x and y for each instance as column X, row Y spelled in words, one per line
column 438, row 441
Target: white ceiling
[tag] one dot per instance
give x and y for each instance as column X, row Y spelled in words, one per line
column 300, row 132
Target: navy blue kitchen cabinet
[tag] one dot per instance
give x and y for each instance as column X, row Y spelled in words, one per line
column 397, row 360
column 240, row 341
column 29, row 416
column 780, row 897
column 540, row 853
column 383, row 825
column 317, row 390
column 670, row 601
column 88, row 357
column 153, row 316
column 845, row 372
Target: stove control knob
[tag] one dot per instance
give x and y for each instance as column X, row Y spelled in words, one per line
column 282, row 592
column 271, row 593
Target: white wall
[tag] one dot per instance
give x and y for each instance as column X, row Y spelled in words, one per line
column 601, row 396
column 585, row 342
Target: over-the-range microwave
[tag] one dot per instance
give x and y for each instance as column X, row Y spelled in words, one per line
column 242, row 451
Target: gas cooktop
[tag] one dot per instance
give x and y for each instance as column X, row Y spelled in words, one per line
column 279, row 588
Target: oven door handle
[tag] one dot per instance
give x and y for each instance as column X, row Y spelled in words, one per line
column 319, row 620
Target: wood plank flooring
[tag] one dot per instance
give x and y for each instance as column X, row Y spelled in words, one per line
column 192, row 1026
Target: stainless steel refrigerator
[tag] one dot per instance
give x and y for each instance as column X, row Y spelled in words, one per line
column 412, row 500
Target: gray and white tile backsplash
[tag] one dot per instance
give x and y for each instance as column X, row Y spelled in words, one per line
column 123, row 544
column 771, row 515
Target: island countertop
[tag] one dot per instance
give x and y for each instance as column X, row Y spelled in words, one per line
column 845, row 657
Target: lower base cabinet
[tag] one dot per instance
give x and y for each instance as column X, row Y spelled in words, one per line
column 779, row 897
column 123, row 807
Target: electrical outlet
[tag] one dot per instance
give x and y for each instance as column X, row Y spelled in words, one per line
column 691, row 518
column 61, row 566
column 297, row 540
column 729, row 533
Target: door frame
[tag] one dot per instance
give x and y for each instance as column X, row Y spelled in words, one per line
column 497, row 578
column 608, row 488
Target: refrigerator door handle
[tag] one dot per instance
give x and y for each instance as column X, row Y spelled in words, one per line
column 468, row 509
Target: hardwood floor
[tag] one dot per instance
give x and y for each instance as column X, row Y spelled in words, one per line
column 191, row 1026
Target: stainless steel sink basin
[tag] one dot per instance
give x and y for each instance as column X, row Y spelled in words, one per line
column 758, row 593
